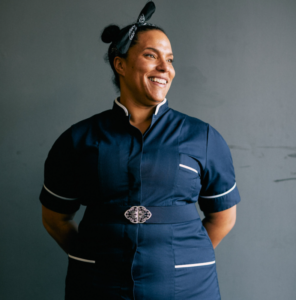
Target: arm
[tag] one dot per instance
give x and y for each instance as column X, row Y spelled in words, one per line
column 219, row 224
column 61, row 227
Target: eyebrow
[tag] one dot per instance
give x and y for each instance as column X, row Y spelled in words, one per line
column 157, row 50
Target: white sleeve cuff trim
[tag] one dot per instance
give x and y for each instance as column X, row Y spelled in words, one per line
column 64, row 198
column 216, row 196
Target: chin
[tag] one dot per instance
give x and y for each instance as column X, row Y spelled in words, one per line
column 156, row 95
column 157, row 98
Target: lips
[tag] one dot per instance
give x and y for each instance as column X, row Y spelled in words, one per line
column 160, row 80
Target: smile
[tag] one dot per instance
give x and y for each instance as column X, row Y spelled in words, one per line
column 159, row 80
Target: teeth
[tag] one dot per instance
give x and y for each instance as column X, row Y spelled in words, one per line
column 163, row 81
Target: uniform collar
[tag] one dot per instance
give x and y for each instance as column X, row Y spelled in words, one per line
column 160, row 108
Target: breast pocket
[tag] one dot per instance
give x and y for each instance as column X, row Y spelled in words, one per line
column 187, row 179
column 195, row 274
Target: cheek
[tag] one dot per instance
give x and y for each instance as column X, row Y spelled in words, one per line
column 173, row 73
column 144, row 66
column 139, row 71
column 135, row 74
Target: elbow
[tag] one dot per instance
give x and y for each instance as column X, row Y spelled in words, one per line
column 225, row 219
column 230, row 222
column 46, row 225
column 230, row 217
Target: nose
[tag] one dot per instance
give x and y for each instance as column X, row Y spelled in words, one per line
column 163, row 65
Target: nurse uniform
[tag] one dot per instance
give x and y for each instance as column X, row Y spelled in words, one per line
column 141, row 236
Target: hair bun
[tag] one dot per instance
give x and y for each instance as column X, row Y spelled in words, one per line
column 110, row 33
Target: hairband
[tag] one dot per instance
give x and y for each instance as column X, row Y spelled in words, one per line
column 126, row 35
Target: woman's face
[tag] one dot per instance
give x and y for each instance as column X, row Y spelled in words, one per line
column 148, row 68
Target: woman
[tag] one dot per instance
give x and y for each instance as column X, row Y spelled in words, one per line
column 140, row 168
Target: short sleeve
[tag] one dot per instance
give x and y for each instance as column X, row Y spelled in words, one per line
column 219, row 190
column 60, row 190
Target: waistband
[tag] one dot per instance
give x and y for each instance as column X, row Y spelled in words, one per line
column 152, row 214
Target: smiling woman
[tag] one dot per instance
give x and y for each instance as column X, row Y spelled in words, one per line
column 147, row 72
column 140, row 168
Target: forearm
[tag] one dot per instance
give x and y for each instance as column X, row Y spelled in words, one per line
column 64, row 234
column 61, row 227
column 218, row 225
column 215, row 232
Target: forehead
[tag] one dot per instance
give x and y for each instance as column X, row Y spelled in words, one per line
column 154, row 39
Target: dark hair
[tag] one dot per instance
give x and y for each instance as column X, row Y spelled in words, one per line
column 109, row 35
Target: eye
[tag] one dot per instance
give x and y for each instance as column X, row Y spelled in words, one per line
column 171, row 60
column 150, row 55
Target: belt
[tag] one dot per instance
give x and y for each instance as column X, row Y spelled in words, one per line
column 139, row 214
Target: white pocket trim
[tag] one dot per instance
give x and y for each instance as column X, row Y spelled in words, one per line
column 189, row 168
column 195, row 265
column 82, row 259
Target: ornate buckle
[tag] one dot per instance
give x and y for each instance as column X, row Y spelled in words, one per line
column 138, row 214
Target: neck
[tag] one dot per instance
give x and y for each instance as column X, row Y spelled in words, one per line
column 141, row 109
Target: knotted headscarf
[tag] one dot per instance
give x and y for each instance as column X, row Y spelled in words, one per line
column 126, row 35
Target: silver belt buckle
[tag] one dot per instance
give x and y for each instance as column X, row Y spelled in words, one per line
column 138, row 214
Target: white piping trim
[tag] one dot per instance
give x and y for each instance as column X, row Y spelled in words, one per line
column 126, row 111
column 195, row 265
column 82, row 259
column 159, row 105
column 216, row 196
column 122, row 106
column 58, row 195
column 183, row 166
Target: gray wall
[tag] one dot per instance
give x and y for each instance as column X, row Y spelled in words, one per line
column 235, row 64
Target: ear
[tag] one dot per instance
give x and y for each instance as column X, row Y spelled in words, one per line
column 119, row 65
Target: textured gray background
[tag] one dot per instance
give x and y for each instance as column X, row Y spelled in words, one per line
column 235, row 64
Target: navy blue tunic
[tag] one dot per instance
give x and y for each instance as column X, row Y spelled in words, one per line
column 106, row 163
